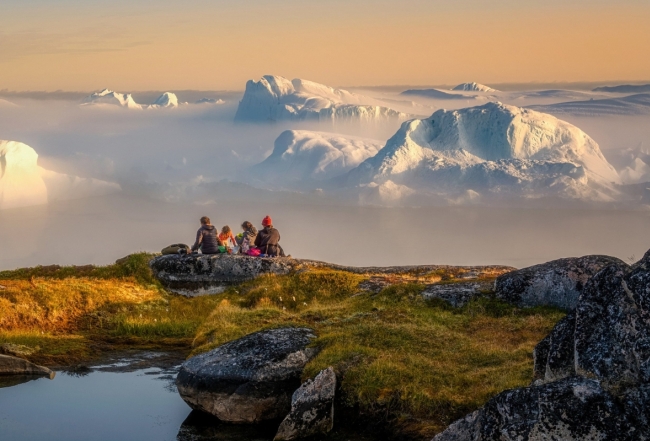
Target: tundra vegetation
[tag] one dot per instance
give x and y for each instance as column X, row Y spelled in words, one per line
column 416, row 365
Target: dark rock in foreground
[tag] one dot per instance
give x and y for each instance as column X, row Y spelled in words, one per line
column 312, row 408
column 17, row 366
column 592, row 371
column 558, row 283
column 573, row 409
column 249, row 380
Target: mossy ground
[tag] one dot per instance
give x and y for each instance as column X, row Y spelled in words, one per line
column 413, row 364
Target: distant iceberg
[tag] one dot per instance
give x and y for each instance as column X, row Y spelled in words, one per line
column 474, row 87
column 275, row 98
column 638, row 104
column 166, row 100
column 210, row 101
column 23, row 183
column 108, row 97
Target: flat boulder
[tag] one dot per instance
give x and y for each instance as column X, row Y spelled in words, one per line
column 200, row 274
column 558, row 283
column 456, row 294
column 312, row 408
column 17, row 366
column 248, row 380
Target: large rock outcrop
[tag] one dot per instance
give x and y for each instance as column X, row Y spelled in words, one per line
column 557, row 283
column 573, row 409
column 312, row 408
column 249, row 380
column 592, row 371
column 17, row 366
column 198, row 274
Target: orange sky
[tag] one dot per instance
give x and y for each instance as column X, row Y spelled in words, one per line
column 219, row 44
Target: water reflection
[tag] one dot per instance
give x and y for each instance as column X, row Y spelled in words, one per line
column 202, row 427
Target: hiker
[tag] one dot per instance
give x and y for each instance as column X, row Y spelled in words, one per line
column 206, row 238
column 250, row 232
column 268, row 238
column 227, row 238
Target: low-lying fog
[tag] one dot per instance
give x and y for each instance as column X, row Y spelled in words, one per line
column 152, row 153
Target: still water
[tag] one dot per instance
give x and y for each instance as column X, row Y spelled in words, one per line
column 110, row 402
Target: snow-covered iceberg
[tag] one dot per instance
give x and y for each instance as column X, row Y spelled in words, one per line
column 474, row 87
column 300, row 157
column 486, row 152
column 24, row 183
column 275, row 98
column 166, row 100
column 110, row 98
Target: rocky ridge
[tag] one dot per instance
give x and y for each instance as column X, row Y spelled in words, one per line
column 592, row 371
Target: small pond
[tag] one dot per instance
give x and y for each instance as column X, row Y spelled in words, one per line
column 129, row 399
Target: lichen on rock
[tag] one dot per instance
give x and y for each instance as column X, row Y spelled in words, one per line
column 248, row 380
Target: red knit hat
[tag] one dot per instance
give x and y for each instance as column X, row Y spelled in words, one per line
column 267, row 221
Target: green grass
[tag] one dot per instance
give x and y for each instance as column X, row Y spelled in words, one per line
column 419, row 364
column 416, row 364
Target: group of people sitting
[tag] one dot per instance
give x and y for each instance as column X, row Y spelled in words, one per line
column 263, row 243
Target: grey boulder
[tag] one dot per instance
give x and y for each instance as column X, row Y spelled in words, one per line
column 312, row 408
column 249, row 380
column 558, row 283
column 456, row 294
column 201, row 274
column 17, row 366
column 571, row 409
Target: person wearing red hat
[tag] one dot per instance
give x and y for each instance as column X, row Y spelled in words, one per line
column 268, row 239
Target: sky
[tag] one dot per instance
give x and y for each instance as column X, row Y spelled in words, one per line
column 81, row 45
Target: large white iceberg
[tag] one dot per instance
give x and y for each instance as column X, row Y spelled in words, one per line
column 24, row 183
column 275, row 98
column 301, row 156
column 494, row 150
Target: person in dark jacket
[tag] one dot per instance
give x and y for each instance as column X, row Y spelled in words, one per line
column 268, row 238
column 206, row 238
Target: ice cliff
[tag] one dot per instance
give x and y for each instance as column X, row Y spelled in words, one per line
column 23, row 183
column 275, row 98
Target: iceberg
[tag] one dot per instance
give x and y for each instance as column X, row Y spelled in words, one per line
column 275, row 98
column 166, row 100
column 109, row 98
column 301, row 156
column 24, row 183
column 489, row 151
column 474, row 87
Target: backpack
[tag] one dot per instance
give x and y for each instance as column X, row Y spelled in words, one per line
column 176, row 249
